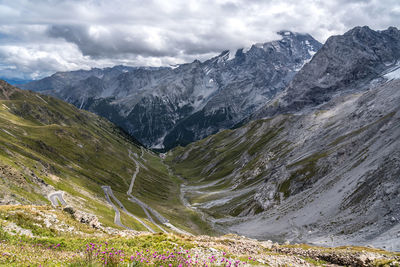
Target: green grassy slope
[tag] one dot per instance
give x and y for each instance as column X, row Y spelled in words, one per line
column 48, row 145
column 229, row 166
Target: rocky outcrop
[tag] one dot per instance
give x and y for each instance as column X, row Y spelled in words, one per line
column 362, row 258
column 84, row 217
column 6, row 90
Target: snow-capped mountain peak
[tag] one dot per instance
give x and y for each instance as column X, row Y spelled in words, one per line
column 166, row 106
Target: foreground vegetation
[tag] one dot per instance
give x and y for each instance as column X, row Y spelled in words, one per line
column 41, row 235
column 44, row 236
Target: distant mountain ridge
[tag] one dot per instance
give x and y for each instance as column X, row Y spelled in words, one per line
column 164, row 107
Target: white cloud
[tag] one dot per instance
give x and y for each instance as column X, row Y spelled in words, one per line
column 40, row 37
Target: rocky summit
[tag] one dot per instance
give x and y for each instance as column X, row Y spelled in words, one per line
column 346, row 63
column 166, row 107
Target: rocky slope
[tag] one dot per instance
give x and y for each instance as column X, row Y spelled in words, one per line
column 346, row 63
column 327, row 170
column 164, row 107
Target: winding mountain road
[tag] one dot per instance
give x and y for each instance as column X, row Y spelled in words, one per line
column 147, row 209
column 117, row 217
column 131, row 198
column 56, row 198
column 184, row 188
column 109, row 193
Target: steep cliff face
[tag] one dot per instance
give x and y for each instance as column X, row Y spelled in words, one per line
column 345, row 63
column 164, row 107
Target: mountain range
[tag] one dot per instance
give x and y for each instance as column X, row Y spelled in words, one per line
column 165, row 107
column 288, row 140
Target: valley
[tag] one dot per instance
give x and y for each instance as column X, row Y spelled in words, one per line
column 291, row 158
column 35, row 171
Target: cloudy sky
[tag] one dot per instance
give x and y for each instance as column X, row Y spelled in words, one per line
column 40, row 37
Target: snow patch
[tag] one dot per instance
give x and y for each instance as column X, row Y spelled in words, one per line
column 259, row 45
column 246, row 49
column 311, row 52
column 159, row 143
column 228, row 55
column 174, row 66
column 394, row 74
column 299, row 67
column 232, row 55
column 82, row 103
column 207, row 70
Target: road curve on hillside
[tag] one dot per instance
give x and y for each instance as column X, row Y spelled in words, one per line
column 131, row 198
column 57, row 197
column 183, row 189
column 109, row 193
column 117, row 217
column 147, row 209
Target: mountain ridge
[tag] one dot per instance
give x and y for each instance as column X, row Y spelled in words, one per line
column 356, row 57
column 156, row 104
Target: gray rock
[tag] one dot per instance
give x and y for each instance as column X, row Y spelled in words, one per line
column 345, row 63
column 84, row 217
